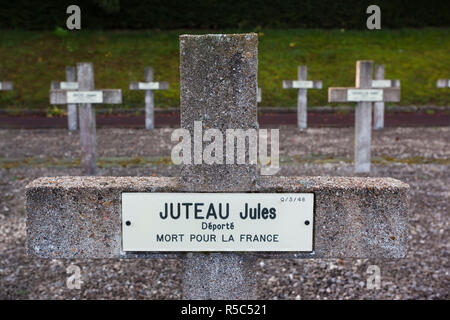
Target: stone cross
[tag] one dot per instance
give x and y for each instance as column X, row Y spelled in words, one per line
column 259, row 95
column 443, row 83
column 149, row 86
column 380, row 82
column 85, row 96
column 302, row 101
column 70, row 84
column 364, row 94
column 6, row 86
column 83, row 217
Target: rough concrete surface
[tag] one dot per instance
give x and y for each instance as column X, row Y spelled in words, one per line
column 80, row 217
column 218, row 85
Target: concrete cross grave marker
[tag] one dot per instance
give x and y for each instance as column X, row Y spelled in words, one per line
column 443, row 83
column 6, row 86
column 302, row 100
column 70, row 84
column 364, row 95
column 380, row 82
column 149, row 86
column 85, row 96
column 162, row 217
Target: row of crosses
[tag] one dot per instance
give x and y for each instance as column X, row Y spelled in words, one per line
column 301, row 84
column 82, row 92
column 149, row 85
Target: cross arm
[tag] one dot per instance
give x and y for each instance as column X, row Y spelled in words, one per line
column 64, row 85
column 105, row 96
column 6, row 85
column 302, row 84
column 369, row 95
column 443, row 83
column 386, row 83
column 162, row 85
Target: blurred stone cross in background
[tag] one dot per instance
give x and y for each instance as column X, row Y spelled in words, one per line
column 364, row 94
column 302, row 100
column 70, row 84
column 85, row 96
column 149, row 86
column 259, row 95
column 6, row 86
column 443, row 83
column 380, row 82
column 289, row 217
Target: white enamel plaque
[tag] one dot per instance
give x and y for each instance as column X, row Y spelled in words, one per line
column 381, row 83
column 68, row 85
column 364, row 95
column 217, row 222
column 84, row 97
column 148, row 85
column 302, row 84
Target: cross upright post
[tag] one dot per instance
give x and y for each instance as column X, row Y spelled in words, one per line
column 302, row 99
column 381, row 82
column 69, row 84
column 363, row 118
column 88, row 133
column 85, row 96
column 71, row 76
column 149, row 86
column 378, row 108
column 364, row 95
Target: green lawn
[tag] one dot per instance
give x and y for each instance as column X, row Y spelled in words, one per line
column 33, row 59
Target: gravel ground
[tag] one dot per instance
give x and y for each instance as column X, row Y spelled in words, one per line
column 423, row 274
column 430, row 142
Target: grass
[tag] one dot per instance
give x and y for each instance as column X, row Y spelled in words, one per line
column 33, row 59
column 126, row 162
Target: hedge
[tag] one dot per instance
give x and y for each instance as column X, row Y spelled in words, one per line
column 220, row 14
